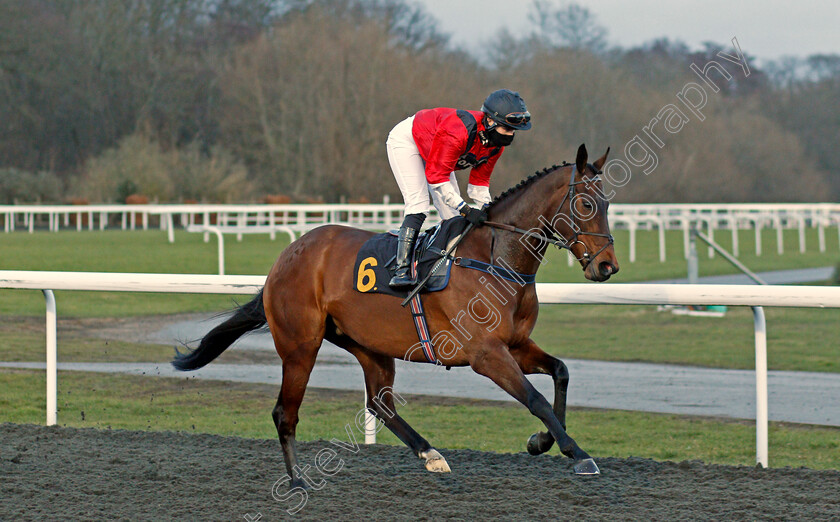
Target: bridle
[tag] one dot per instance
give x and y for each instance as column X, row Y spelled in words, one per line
column 552, row 237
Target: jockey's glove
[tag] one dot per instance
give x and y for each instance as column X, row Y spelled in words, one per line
column 473, row 215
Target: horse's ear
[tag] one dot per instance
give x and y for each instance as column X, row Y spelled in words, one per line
column 582, row 156
column 600, row 161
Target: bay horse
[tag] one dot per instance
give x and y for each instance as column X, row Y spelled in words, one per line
column 310, row 295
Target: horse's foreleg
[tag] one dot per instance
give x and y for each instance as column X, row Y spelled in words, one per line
column 379, row 382
column 498, row 364
column 296, row 370
column 531, row 359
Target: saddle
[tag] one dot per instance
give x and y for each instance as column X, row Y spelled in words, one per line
column 376, row 260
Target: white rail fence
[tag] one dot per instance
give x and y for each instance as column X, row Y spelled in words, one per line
column 298, row 219
column 548, row 293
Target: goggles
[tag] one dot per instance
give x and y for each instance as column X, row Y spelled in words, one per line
column 512, row 119
column 517, row 118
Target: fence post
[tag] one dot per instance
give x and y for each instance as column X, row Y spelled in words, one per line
column 661, row 225
column 780, row 240
column 693, row 269
column 221, row 245
column 760, row 386
column 736, row 251
column 801, row 234
column 821, row 236
column 52, row 359
column 170, row 226
column 370, row 423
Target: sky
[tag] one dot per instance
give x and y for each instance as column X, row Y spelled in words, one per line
column 766, row 29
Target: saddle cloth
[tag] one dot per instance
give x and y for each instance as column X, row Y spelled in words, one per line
column 376, row 260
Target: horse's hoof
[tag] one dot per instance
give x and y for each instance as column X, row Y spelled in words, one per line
column 538, row 443
column 435, row 461
column 586, row 467
column 298, row 483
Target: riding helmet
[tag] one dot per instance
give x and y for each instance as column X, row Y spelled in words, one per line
column 507, row 108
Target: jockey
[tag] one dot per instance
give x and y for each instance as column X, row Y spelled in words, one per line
column 424, row 150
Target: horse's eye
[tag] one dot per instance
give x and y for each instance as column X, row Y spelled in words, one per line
column 587, row 205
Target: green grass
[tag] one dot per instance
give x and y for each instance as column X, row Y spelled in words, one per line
column 22, row 339
column 647, row 266
column 136, row 251
column 797, row 338
column 20, row 348
column 113, row 304
column 239, row 409
column 125, row 251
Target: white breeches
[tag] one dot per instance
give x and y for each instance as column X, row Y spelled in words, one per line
column 410, row 172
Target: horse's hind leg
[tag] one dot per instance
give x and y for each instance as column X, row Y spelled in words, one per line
column 297, row 366
column 379, row 382
column 297, row 327
column 532, row 359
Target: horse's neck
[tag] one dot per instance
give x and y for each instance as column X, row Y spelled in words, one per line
column 530, row 208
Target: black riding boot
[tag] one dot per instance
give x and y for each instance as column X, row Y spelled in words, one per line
column 405, row 247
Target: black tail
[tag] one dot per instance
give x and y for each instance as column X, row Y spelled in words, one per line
column 245, row 318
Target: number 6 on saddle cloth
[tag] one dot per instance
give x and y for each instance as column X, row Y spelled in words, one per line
column 375, row 262
column 375, row 265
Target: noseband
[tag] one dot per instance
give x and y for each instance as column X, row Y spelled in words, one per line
column 559, row 241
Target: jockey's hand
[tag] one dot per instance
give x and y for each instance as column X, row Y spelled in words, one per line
column 473, row 215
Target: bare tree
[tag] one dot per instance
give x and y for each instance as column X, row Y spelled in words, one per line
column 297, row 96
column 570, row 26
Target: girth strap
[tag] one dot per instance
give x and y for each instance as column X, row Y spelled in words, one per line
column 419, row 317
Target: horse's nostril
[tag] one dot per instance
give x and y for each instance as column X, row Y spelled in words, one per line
column 606, row 268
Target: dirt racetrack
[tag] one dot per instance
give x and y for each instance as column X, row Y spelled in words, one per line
column 71, row 474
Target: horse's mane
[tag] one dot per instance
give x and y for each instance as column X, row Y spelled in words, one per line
column 524, row 183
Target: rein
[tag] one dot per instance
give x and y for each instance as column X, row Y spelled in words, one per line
column 552, row 237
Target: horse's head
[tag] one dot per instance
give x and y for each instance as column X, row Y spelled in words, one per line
column 586, row 228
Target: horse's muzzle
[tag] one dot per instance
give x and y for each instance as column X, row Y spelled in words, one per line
column 600, row 271
column 606, row 269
